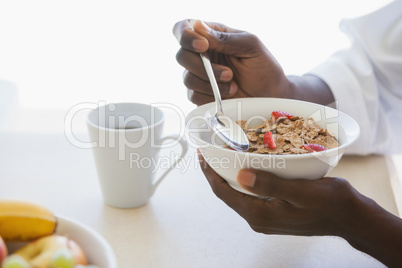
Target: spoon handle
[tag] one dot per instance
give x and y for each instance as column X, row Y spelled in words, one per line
column 214, row 84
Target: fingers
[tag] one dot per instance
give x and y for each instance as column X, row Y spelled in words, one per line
column 262, row 215
column 196, row 79
column 218, row 184
column 298, row 192
column 234, row 199
column 188, row 38
column 200, row 91
column 198, row 98
column 284, row 214
column 228, row 41
column 192, row 62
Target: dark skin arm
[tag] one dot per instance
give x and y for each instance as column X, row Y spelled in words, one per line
column 242, row 65
column 328, row 206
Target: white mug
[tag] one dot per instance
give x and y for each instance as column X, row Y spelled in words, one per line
column 127, row 138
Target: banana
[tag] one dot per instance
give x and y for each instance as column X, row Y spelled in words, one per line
column 24, row 221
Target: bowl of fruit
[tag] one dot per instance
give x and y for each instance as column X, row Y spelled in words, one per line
column 290, row 138
column 31, row 236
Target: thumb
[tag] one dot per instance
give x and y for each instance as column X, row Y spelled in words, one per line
column 228, row 41
column 269, row 185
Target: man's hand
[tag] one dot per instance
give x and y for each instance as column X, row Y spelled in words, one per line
column 242, row 65
column 328, row 206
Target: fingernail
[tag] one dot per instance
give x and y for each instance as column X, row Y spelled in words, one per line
column 226, row 76
column 205, row 27
column 192, row 22
column 246, row 178
column 232, row 88
column 200, row 44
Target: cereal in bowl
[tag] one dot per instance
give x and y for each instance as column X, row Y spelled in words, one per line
column 284, row 133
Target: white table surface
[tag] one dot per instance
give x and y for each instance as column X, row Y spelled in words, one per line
column 184, row 224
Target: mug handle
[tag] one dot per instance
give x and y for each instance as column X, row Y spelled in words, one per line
column 184, row 148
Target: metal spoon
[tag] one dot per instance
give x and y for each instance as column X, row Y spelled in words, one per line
column 227, row 129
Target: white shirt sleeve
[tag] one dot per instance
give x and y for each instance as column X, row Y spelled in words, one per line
column 366, row 80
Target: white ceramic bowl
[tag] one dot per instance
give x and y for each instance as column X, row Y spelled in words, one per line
column 227, row 162
column 96, row 248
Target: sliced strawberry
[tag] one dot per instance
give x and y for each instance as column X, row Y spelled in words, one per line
column 312, row 147
column 278, row 114
column 268, row 141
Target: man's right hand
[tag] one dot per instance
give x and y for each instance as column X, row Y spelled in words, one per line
column 243, row 66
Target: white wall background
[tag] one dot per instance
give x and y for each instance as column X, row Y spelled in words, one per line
column 61, row 53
